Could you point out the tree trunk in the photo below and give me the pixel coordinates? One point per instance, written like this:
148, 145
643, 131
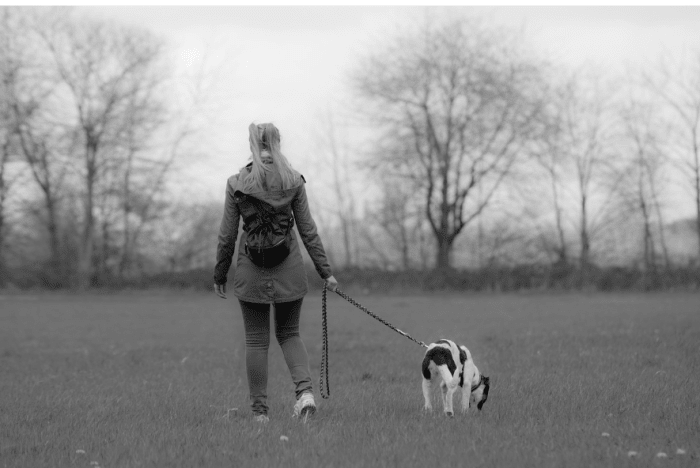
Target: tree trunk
562, 254
125, 261
54, 245
405, 258
345, 226
86, 249
87, 241
443, 260
585, 246
648, 242
660, 222
697, 202
424, 255
3, 188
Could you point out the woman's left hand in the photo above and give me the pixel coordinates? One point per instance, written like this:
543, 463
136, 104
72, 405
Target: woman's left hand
331, 283
220, 290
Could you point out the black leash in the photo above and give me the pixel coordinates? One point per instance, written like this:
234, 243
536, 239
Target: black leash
325, 391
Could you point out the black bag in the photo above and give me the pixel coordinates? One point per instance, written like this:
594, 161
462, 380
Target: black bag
269, 231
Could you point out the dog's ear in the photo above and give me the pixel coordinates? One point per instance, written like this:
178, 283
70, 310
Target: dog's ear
462, 356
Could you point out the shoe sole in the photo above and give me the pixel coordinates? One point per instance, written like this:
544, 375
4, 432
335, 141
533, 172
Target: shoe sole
306, 412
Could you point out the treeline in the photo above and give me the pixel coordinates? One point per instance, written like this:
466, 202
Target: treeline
489, 167
367, 280
490, 158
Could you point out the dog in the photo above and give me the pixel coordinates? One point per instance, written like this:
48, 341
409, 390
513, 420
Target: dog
453, 367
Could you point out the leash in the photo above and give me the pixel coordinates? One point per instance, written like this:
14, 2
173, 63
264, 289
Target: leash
325, 393
325, 390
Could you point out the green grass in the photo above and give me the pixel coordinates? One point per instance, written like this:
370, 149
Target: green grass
152, 380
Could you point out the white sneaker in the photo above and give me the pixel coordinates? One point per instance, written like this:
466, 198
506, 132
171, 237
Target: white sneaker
305, 406
262, 418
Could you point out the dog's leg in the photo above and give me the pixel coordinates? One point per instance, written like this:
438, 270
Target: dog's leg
427, 387
466, 396
449, 391
443, 393
449, 397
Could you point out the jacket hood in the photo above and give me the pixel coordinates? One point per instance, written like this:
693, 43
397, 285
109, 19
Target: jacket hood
275, 195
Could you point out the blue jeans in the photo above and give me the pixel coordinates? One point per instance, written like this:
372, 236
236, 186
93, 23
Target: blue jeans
256, 320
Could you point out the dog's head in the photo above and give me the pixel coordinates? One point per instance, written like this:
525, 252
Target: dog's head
481, 392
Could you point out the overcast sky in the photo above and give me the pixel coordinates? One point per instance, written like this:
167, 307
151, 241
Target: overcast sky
286, 64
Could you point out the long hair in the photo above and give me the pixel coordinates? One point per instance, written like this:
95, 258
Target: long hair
266, 137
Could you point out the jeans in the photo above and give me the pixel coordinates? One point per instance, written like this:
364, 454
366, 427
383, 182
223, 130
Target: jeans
256, 320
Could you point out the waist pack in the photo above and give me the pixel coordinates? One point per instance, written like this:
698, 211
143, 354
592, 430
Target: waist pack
269, 231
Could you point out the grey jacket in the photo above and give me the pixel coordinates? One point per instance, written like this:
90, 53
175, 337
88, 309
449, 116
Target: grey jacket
286, 281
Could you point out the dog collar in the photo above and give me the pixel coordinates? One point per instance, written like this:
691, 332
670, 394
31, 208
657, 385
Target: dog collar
481, 380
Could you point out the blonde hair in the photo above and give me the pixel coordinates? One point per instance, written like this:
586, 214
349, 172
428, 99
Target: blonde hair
267, 137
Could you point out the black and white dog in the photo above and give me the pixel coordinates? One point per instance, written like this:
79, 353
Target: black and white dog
453, 366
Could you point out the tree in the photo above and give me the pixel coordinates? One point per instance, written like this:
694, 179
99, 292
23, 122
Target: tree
334, 147
183, 240
586, 142
108, 75
678, 85
399, 215
642, 128
12, 72
6, 72
456, 105
550, 155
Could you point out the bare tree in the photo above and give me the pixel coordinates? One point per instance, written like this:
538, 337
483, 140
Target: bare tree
587, 142
183, 239
334, 146
40, 146
147, 165
7, 73
642, 127
678, 85
5, 155
22, 94
550, 154
399, 214
38, 137
456, 104
4, 189
394, 216
109, 74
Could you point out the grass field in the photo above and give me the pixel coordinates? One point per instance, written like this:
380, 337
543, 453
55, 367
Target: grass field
158, 379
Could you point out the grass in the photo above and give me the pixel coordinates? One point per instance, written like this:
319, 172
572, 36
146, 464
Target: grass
158, 379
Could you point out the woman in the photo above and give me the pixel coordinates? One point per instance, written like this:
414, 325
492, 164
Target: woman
271, 179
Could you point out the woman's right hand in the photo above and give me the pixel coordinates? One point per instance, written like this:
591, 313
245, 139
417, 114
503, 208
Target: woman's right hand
220, 290
331, 283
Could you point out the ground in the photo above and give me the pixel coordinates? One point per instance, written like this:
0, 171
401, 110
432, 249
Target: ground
158, 379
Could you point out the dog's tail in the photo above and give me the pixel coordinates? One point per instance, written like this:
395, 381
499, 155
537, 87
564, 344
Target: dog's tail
426, 368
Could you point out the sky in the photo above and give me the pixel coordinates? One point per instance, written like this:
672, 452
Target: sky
289, 64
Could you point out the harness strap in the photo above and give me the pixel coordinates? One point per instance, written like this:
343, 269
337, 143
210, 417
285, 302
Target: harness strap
478, 384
